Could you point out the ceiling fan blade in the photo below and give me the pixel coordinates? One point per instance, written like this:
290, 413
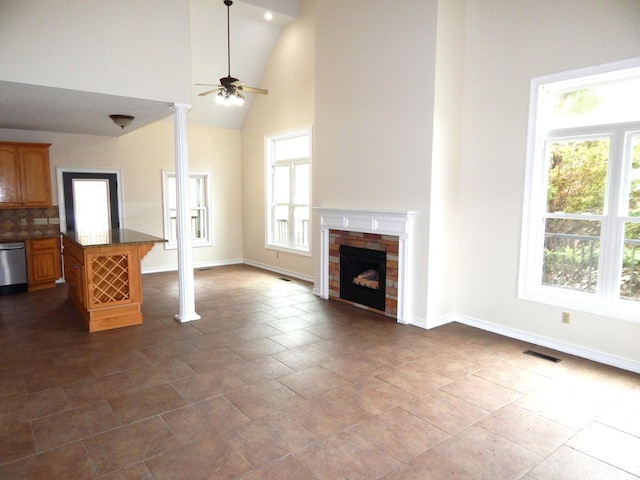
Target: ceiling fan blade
208, 92
207, 84
261, 91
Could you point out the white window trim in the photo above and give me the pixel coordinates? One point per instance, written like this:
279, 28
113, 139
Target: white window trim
268, 191
205, 242
529, 286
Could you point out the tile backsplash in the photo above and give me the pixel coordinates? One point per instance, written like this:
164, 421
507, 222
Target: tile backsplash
30, 221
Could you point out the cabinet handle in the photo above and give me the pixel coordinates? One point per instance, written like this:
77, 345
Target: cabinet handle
76, 266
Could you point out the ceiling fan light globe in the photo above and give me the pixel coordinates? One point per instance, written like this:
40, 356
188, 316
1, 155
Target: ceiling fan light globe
219, 99
228, 100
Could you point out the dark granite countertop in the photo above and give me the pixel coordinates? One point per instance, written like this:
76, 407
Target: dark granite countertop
120, 236
21, 237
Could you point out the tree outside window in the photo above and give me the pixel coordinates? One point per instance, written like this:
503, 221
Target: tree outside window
581, 230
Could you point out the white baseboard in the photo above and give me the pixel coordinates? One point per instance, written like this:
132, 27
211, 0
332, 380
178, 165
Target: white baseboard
281, 271
578, 351
199, 266
196, 266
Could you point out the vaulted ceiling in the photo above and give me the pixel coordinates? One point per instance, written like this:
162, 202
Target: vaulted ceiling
30, 107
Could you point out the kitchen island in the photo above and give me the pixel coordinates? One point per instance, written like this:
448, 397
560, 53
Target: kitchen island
103, 275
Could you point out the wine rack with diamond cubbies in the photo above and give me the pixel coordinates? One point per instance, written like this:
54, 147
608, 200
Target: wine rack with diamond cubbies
104, 282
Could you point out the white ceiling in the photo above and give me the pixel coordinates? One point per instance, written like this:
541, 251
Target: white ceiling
33, 107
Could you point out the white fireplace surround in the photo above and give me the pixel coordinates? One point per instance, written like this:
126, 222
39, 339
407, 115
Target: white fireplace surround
382, 222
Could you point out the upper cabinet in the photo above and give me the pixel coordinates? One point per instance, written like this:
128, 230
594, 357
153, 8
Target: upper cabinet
25, 178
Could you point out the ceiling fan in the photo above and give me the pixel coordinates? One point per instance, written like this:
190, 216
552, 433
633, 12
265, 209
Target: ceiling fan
230, 89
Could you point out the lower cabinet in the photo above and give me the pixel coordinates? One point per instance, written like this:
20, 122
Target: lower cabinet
43, 263
74, 275
104, 283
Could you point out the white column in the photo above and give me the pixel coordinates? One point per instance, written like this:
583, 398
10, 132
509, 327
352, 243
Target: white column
186, 284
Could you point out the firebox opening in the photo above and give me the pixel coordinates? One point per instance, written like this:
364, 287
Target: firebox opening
362, 276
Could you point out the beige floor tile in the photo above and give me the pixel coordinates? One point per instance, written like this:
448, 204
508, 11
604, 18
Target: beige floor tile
313, 381
446, 411
483, 393
416, 377
400, 434
202, 460
125, 446
261, 399
346, 455
487, 455
258, 370
619, 449
287, 468
275, 383
207, 385
375, 395
527, 429
146, 403
203, 419
256, 440
300, 358
355, 368
56, 430
327, 415
569, 464
513, 378
69, 462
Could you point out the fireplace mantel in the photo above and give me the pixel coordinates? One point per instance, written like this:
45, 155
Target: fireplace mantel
384, 222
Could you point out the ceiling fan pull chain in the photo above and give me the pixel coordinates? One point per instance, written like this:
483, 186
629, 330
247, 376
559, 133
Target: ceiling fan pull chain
228, 3
230, 89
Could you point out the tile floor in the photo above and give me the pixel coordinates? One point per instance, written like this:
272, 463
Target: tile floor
274, 383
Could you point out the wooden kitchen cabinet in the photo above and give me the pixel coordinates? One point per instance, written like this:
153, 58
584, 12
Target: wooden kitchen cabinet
74, 273
25, 177
43, 262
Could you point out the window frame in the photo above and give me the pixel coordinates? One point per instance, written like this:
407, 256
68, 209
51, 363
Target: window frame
606, 300
270, 163
205, 240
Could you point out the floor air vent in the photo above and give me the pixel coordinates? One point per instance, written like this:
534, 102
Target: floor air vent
541, 355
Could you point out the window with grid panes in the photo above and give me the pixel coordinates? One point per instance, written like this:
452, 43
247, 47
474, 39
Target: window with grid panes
288, 189
199, 200
581, 230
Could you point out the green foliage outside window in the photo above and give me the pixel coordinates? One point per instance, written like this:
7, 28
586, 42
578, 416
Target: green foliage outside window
577, 176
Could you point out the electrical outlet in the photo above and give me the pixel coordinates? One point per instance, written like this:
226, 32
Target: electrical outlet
566, 317
23, 221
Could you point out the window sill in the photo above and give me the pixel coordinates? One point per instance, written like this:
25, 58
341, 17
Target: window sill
194, 244
291, 250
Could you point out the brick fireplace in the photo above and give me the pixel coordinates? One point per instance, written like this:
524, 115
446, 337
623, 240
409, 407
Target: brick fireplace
388, 231
369, 241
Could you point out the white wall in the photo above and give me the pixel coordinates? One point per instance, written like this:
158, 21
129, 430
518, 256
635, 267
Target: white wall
447, 119
375, 81
141, 156
290, 79
101, 41
507, 44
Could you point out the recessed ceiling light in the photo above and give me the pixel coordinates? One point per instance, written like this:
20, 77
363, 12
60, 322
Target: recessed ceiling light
268, 16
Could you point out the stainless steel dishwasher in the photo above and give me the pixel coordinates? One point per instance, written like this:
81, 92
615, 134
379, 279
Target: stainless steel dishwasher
13, 268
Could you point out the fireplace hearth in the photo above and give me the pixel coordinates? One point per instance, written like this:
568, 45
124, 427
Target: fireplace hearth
363, 276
